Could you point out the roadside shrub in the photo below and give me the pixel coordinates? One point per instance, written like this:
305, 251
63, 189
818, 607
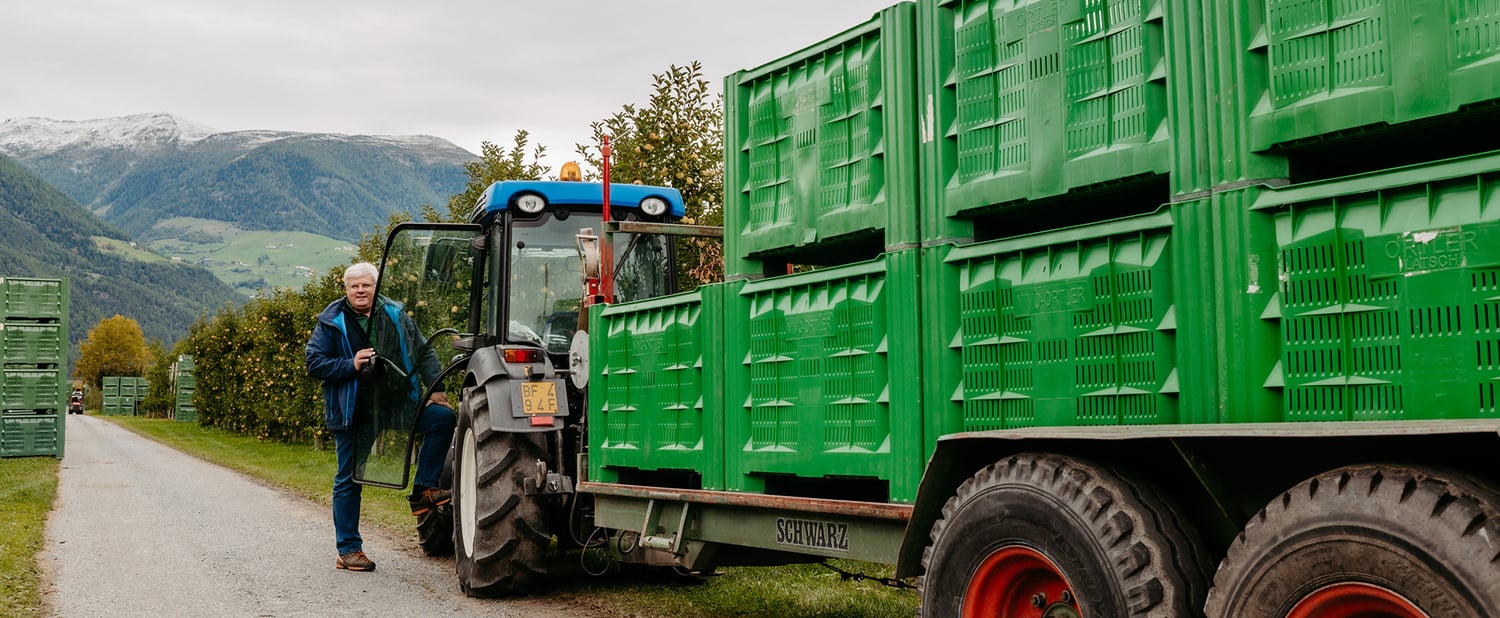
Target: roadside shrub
250, 372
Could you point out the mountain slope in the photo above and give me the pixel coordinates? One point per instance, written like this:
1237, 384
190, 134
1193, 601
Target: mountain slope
45, 234
136, 171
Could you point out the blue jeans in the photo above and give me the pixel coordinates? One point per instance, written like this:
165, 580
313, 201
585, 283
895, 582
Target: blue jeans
435, 424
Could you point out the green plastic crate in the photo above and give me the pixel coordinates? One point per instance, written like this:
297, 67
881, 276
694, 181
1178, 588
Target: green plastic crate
1036, 99
1389, 301
30, 389
659, 370
1318, 68
823, 372
33, 299
185, 413
29, 343
31, 436
1067, 328
820, 145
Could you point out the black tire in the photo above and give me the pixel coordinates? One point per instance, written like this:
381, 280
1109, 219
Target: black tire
1112, 543
500, 535
1429, 537
435, 531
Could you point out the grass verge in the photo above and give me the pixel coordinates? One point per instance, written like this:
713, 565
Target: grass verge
28, 486
795, 591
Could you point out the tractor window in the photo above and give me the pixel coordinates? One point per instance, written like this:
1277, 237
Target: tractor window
546, 286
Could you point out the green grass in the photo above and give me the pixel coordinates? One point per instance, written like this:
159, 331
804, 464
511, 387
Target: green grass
125, 249
796, 591
249, 260
27, 487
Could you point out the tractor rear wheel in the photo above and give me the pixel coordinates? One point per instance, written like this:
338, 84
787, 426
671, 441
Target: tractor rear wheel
500, 534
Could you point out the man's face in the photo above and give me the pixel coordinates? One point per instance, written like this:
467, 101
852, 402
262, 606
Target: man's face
361, 293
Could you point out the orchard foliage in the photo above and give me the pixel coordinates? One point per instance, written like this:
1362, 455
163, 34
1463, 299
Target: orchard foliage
160, 395
677, 140
495, 164
250, 370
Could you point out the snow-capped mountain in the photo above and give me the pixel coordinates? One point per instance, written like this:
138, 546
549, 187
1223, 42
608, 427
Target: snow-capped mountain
137, 170
21, 137
33, 137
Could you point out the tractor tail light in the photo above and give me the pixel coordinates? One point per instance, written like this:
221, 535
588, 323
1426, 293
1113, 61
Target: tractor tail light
522, 355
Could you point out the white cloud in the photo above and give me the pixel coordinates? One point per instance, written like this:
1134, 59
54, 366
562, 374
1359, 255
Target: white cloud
465, 70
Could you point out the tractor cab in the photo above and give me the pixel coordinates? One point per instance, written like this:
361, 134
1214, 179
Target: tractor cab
501, 302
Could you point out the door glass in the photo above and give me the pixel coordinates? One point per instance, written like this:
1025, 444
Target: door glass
422, 304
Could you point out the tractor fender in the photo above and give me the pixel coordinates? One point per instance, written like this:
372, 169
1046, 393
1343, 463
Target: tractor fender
499, 379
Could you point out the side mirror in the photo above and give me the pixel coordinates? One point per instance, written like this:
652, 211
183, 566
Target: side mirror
588, 252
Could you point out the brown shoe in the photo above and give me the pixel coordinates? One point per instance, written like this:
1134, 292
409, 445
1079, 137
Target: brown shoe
355, 561
429, 499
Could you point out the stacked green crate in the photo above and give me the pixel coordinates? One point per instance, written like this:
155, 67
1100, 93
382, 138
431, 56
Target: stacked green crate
1031, 100
33, 354
122, 394
1060, 329
25, 390
183, 384
658, 368
36, 300
821, 149
1384, 80
1388, 303
32, 344
1322, 68
823, 390
111, 400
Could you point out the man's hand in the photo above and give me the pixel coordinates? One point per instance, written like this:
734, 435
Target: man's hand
439, 398
363, 357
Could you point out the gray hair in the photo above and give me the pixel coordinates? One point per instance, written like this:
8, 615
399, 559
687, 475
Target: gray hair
360, 270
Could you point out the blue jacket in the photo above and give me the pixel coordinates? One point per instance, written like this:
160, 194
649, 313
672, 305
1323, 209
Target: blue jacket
331, 361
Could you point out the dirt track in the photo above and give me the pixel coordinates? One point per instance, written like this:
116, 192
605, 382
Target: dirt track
142, 530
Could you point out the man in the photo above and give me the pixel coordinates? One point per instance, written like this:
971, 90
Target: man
342, 354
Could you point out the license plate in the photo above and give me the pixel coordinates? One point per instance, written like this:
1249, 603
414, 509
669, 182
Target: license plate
538, 398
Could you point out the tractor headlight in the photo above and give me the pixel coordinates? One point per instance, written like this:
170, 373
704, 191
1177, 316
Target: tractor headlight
531, 203
654, 206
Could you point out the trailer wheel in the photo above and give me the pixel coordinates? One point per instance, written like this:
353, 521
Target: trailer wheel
1392, 541
500, 535
1058, 537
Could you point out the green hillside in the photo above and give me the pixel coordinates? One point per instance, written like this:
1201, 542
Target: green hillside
249, 260
45, 234
317, 183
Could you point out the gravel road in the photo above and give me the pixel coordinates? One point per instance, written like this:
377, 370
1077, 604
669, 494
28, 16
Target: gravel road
140, 529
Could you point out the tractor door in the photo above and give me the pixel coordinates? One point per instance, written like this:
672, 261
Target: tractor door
431, 284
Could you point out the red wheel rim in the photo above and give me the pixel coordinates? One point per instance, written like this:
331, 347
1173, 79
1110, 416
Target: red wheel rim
1018, 581
1355, 600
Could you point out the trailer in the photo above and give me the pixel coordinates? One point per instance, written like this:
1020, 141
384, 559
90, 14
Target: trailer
1136, 308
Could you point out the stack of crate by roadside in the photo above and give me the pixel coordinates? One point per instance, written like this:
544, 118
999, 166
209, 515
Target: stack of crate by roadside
182, 385
123, 395
1075, 213
33, 346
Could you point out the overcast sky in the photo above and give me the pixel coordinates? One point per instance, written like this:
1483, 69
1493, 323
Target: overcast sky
464, 70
